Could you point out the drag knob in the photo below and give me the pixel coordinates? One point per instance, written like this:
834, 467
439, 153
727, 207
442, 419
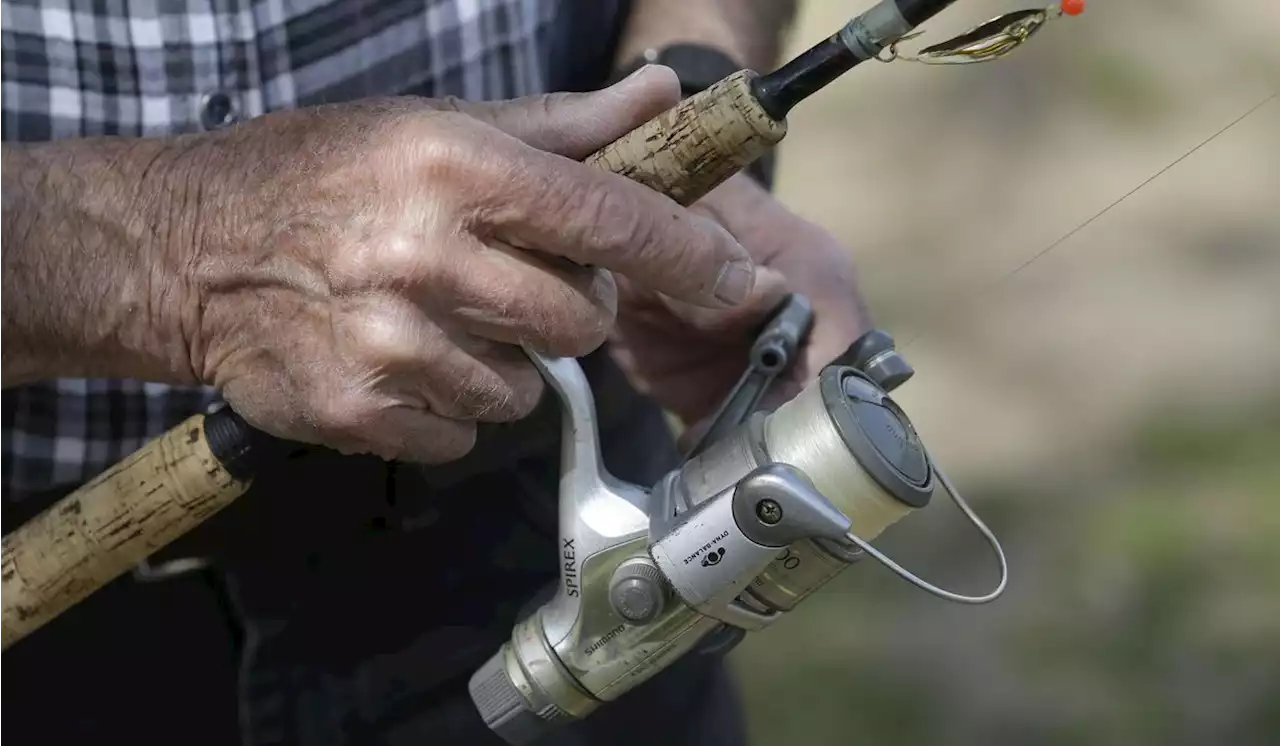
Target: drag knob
638, 592
875, 355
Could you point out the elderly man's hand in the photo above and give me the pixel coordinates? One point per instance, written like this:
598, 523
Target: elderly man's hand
355, 275
687, 357
385, 263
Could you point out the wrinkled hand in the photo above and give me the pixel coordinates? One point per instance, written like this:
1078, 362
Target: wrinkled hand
688, 358
364, 272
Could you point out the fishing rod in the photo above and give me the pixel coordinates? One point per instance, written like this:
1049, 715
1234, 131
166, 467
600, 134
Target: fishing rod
185, 476
690, 149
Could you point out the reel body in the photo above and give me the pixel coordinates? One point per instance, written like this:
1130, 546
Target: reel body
725, 544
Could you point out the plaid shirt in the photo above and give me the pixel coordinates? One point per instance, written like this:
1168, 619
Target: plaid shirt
164, 67
430, 577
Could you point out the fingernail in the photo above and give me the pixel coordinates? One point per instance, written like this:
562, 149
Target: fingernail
635, 74
735, 281
638, 72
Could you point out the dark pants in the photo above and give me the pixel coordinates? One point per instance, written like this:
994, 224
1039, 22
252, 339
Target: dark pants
349, 604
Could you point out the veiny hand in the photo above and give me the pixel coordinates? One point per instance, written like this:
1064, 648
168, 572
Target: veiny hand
688, 357
362, 273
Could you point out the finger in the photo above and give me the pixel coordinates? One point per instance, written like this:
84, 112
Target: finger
525, 385
414, 360
346, 414
732, 324
406, 433
594, 217
839, 319
711, 340
520, 297
576, 125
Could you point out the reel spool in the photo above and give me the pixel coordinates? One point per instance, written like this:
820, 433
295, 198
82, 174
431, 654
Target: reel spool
860, 451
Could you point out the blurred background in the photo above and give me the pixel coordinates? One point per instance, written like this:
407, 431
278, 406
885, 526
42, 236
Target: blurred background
1111, 409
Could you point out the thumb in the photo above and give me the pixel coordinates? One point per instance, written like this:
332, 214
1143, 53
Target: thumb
576, 125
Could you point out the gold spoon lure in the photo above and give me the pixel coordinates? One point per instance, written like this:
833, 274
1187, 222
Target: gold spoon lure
989, 41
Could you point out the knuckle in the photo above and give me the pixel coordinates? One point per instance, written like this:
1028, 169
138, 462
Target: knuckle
588, 333
439, 147
613, 223
697, 256
702, 251
504, 386
394, 257
554, 103
450, 103
463, 152
487, 396
390, 335
567, 324
450, 160
382, 340
521, 392
398, 258
341, 417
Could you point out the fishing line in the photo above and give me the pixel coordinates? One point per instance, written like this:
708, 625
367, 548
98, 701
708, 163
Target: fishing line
1055, 244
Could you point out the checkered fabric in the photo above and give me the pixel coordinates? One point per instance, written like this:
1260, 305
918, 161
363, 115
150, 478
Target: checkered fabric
162, 67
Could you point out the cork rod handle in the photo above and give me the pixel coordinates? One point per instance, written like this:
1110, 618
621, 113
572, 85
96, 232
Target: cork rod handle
113, 522
693, 147
175, 482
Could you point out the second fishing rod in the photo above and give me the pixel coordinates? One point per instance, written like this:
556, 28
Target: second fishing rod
695, 146
189, 474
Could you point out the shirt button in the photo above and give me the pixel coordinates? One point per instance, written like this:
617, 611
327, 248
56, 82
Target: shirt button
218, 110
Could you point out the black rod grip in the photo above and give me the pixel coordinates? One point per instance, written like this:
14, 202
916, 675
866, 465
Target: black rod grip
241, 448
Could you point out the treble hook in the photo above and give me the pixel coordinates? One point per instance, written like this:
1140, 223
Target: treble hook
989, 41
